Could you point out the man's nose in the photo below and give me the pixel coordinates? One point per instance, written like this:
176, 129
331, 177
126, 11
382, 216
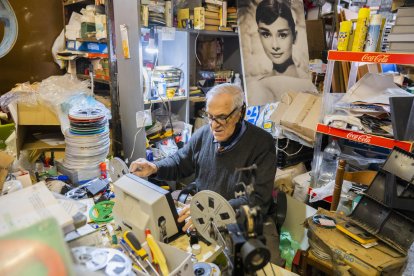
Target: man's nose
214, 124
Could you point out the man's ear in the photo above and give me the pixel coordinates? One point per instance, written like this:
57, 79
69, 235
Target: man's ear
243, 112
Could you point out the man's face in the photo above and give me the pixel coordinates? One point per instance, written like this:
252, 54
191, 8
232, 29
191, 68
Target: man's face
220, 106
277, 40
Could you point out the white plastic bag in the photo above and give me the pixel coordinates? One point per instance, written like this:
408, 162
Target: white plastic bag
327, 190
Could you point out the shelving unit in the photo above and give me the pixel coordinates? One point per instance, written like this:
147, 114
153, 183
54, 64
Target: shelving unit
107, 82
178, 53
359, 137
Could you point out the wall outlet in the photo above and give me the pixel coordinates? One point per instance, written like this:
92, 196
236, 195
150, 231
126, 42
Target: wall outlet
144, 118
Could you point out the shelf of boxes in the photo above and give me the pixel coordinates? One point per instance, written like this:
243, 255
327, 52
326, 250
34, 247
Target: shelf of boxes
360, 137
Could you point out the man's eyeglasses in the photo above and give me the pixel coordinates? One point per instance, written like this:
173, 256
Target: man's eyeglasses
221, 119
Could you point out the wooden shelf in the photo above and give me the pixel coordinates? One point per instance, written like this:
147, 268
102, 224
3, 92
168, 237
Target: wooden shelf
200, 32
165, 99
372, 57
364, 138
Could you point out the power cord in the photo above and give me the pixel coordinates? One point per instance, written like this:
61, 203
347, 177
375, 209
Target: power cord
136, 134
288, 154
195, 48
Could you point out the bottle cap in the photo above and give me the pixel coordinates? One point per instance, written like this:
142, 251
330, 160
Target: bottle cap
196, 249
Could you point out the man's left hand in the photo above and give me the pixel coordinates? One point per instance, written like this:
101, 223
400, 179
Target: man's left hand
184, 215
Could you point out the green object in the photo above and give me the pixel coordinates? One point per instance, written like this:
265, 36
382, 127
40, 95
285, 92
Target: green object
287, 247
39, 249
5, 131
103, 210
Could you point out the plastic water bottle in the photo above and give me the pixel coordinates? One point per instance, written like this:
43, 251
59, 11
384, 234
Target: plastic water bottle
237, 80
329, 165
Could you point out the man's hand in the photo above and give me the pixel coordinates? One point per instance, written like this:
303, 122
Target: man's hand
184, 215
142, 168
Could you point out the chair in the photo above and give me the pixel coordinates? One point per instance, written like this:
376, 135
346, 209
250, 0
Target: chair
362, 177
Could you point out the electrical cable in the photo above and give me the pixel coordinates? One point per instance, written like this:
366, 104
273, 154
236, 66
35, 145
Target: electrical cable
288, 154
135, 137
195, 48
292, 154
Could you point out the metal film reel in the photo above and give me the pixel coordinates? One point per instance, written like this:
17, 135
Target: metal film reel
117, 168
209, 207
88, 113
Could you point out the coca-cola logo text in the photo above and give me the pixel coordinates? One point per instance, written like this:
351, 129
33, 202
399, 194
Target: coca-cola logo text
362, 138
381, 58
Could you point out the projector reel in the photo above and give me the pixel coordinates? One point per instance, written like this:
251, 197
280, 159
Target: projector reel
208, 208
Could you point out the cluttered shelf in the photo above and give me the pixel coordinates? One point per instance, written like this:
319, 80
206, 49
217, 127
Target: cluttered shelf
364, 138
374, 57
198, 32
165, 99
96, 79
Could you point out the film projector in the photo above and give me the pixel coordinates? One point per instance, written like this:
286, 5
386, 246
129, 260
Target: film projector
239, 233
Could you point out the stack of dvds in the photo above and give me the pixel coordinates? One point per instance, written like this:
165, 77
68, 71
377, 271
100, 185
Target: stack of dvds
87, 139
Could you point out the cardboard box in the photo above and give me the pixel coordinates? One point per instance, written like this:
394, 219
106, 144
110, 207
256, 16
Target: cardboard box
36, 115
302, 116
178, 261
361, 261
285, 102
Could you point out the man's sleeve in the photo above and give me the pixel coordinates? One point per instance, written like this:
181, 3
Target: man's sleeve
265, 176
180, 164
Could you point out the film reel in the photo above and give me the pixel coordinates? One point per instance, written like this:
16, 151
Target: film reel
209, 207
86, 113
117, 168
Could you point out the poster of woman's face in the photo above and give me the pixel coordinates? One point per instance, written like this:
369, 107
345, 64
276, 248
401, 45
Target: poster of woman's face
274, 49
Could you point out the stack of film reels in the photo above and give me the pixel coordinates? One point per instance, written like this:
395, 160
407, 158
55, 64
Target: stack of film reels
87, 139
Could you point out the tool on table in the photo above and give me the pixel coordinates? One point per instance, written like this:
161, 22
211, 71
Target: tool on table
159, 257
132, 256
135, 245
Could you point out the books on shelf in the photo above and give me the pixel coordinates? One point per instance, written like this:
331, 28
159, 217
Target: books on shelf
211, 14
225, 29
214, 22
199, 18
402, 29
223, 14
402, 46
404, 21
401, 37
182, 16
211, 27
405, 11
214, 2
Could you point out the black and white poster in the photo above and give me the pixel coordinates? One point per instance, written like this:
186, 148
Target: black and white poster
274, 49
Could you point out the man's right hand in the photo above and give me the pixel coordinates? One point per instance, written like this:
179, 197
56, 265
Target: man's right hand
142, 168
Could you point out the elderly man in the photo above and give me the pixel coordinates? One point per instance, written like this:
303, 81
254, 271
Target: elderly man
216, 150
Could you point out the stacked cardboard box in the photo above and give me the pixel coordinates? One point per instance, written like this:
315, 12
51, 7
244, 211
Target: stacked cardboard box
401, 38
